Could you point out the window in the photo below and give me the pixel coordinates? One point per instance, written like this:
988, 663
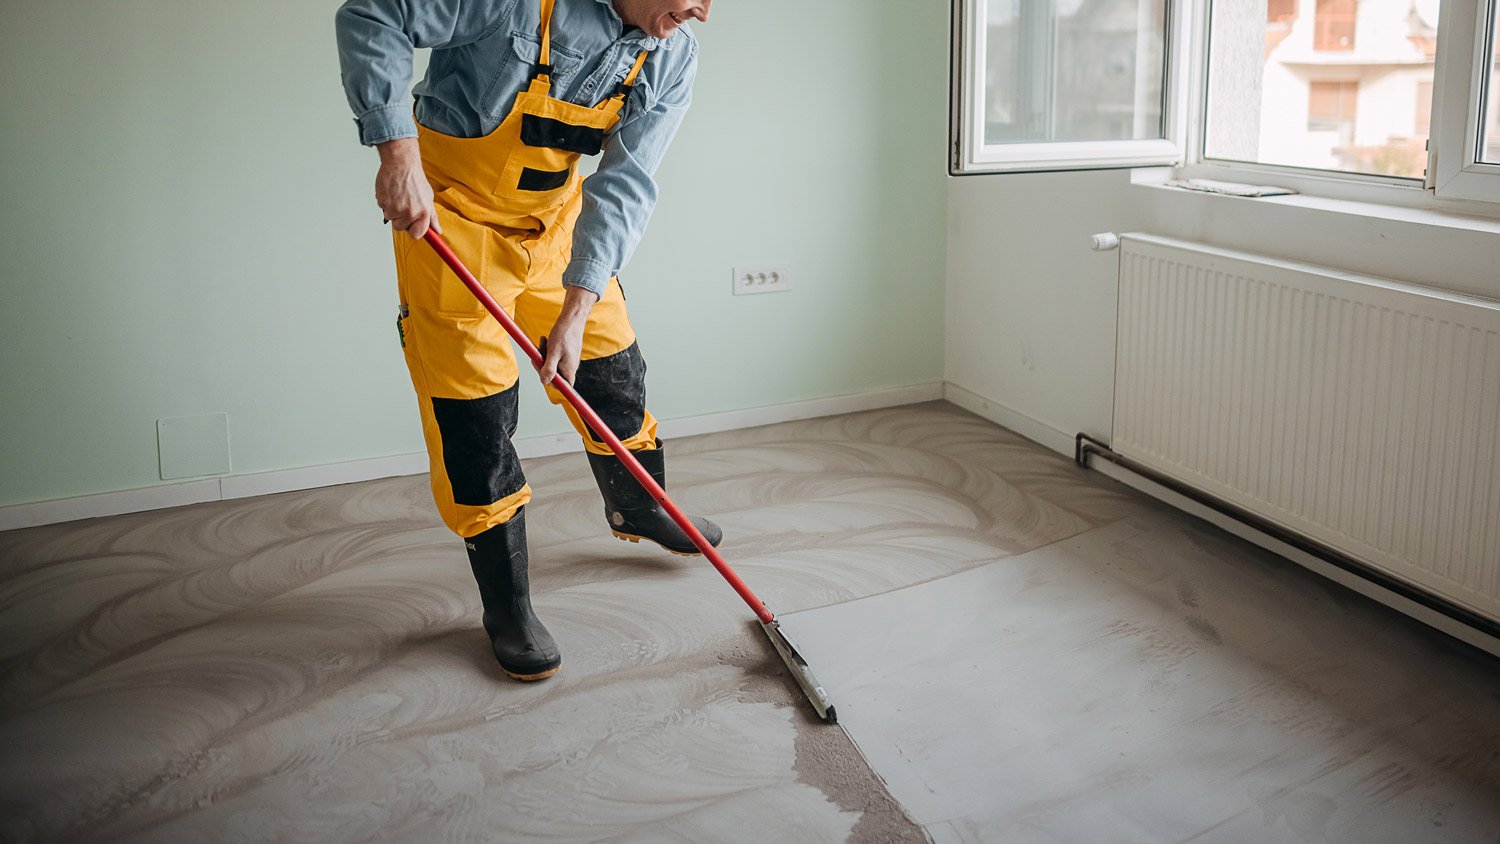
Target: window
1330, 108
1280, 15
1384, 92
1337, 90
1466, 143
1333, 26
1053, 84
1280, 11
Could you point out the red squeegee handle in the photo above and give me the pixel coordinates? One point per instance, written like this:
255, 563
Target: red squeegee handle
597, 425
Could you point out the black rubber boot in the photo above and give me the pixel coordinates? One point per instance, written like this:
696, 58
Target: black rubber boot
522, 646
634, 515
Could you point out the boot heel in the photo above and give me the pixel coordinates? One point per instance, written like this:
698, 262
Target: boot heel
531, 678
628, 538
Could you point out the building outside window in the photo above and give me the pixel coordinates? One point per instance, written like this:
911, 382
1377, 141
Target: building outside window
1339, 85
1334, 25
1331, 107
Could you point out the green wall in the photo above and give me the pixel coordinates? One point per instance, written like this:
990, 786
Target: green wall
189, 228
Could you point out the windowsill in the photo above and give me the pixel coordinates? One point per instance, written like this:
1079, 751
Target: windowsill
1384, 202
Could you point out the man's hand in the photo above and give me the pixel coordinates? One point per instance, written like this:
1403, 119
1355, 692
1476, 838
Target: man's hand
401, 188
564, 344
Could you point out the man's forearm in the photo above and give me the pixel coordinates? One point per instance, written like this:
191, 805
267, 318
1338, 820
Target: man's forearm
577, 302
398, 152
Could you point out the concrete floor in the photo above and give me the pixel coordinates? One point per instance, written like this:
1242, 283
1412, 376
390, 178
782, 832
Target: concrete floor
1157, 680
308, 666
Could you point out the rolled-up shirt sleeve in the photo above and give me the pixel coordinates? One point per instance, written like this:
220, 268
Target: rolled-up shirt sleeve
375, 41
619, 197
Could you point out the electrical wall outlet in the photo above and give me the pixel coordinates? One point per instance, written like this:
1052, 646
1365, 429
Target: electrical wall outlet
762, 278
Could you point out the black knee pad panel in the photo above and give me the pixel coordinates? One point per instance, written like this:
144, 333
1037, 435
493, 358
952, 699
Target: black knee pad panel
615, 387
481, 463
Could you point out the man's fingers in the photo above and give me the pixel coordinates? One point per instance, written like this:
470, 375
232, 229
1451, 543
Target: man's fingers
564, 367
400, 222
421, 222
412, 219
549, 363
556, 362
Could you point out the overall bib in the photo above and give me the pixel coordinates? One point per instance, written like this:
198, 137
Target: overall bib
507, 203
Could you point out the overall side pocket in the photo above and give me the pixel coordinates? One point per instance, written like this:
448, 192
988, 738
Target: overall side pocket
439, 289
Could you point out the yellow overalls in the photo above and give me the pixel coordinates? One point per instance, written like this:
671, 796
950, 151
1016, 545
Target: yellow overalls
507, 203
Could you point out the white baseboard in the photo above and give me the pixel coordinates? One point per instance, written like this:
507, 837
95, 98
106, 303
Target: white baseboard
1032, 429
708, 423
158, 497
353, 471
328, 474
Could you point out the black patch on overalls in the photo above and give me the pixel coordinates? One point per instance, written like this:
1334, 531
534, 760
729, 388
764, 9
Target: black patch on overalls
539, 131
615, 387
481, 463
543, 179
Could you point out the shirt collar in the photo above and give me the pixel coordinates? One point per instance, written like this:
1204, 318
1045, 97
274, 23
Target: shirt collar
647, 42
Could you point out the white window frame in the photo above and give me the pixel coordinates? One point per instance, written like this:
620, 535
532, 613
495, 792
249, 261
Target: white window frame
1455, 78
970, 154
1463, 59
1455, 180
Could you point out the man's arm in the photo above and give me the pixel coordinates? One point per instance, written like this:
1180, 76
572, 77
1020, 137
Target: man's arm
375, 42
619, 197
617, 203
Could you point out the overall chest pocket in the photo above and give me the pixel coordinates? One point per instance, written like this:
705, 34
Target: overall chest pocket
565, 65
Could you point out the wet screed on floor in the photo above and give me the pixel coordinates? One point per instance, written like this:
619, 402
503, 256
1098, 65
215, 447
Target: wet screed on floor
1020, 647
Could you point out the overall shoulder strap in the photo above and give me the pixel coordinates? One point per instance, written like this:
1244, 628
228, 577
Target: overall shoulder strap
640, 62
628, 82
544, 58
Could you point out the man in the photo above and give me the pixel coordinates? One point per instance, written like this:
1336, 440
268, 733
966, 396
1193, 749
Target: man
515, 92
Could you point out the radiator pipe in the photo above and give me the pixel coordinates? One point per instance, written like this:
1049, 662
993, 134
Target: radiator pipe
1085, 445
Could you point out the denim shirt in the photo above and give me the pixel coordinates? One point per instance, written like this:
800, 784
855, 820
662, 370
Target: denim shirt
483, 52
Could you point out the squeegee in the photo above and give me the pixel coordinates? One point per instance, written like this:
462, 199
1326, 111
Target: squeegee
768, 622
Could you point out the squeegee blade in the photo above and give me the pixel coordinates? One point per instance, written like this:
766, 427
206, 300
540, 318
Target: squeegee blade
809, 684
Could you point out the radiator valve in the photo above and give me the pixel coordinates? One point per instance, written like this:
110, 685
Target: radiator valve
1105, 241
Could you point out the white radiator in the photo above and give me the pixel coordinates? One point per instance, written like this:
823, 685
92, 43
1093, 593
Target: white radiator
1361, 412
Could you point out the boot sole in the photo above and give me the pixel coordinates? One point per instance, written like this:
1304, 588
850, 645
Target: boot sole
633, 538
531, 678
